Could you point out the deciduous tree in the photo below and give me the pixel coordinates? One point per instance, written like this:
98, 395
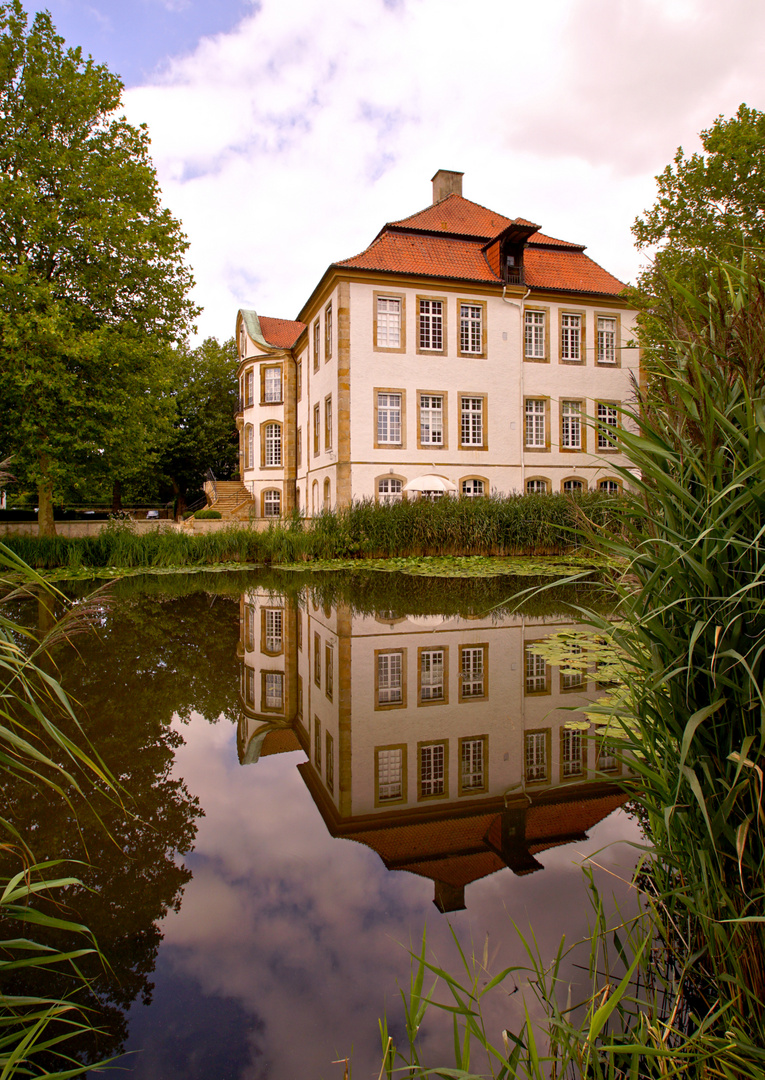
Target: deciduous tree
93, 283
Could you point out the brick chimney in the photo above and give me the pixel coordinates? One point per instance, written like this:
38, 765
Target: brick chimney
446, 183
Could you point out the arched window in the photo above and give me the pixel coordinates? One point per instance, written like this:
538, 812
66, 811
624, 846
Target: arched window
249, 447
574, 486
609, 486
272, 445
272, 503
315, 497
473, 488
297, 497
327, 494
537, 485
390, 489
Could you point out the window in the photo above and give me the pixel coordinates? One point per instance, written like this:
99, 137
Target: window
572, 678
299, 379
473, 489
389, 427
316, 339
272, 445
607, 759
536, 486
535, 754
432, 769
571, 338
609, 487
250, 689
534, 335
299, 447
606, 340
300, 696
432, 675
317, 660
317, 743
390, 679
315, 497
272, 503
573, 486
431, 336
316, 429
431, 420
607, 414
249, 447
390, 774
473, 672
330, 766
327, 332
390, 490
329, 671
249, 388
472, 765
471, 425
572, 747
388, 335
536, 423
537, 673
273, 625
328, 423
273, 690
299, 630
272, 385
571, 425
249, 628
471, 329
327, 494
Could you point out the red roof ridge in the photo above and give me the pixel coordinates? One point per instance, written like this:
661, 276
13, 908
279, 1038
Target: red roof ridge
552, 241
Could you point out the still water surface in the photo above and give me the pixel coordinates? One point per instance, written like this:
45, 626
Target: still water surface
322, 766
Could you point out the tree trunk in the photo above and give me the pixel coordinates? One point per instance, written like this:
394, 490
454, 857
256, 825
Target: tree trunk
117, 497
46, 526
179, 501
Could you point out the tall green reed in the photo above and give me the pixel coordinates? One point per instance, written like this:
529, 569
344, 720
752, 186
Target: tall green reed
34, 711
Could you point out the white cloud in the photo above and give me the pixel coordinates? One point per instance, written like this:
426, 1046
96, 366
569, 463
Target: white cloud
285, 144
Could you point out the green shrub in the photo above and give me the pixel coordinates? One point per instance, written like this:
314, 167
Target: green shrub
208, 515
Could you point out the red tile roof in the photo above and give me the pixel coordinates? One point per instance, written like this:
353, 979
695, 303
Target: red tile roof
280, 741
456, 215
281, 333
569, 271
433, 256
445, 241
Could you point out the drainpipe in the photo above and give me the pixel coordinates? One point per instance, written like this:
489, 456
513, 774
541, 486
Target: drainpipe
520, 304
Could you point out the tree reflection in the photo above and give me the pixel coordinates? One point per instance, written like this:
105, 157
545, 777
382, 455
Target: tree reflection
152, 659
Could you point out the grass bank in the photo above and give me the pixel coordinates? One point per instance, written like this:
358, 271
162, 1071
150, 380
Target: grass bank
496, 526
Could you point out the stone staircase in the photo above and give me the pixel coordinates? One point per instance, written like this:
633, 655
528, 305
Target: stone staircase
233, 500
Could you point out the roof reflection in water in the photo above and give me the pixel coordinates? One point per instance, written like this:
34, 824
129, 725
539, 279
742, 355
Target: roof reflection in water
439, 742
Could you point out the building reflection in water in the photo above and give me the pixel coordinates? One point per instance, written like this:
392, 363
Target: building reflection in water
439, 742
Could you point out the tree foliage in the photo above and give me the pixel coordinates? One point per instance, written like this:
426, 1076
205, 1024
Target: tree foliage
710, 206
93, 284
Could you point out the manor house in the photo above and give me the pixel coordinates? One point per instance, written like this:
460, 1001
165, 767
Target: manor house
462, 352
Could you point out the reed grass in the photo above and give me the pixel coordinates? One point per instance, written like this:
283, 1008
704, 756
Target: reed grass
34, 1030
494, 525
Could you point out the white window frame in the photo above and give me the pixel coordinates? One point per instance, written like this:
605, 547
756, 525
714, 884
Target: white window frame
431, 325
471, 420
432, 769
471, 328
535, 757
571, 425
390, 489
607, 339
535, 424
535, 338
272, 503
390, 774
432, 674
390, 678
472, 671
389, 417
388, 322
472, 765
469, 486
272, 452
571, 337
607, 414
431, 419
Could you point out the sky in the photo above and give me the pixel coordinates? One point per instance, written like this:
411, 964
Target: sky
285, 133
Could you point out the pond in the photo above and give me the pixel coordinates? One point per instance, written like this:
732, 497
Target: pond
321, 766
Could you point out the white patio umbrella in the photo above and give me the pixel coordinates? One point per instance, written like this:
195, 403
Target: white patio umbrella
430, 482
